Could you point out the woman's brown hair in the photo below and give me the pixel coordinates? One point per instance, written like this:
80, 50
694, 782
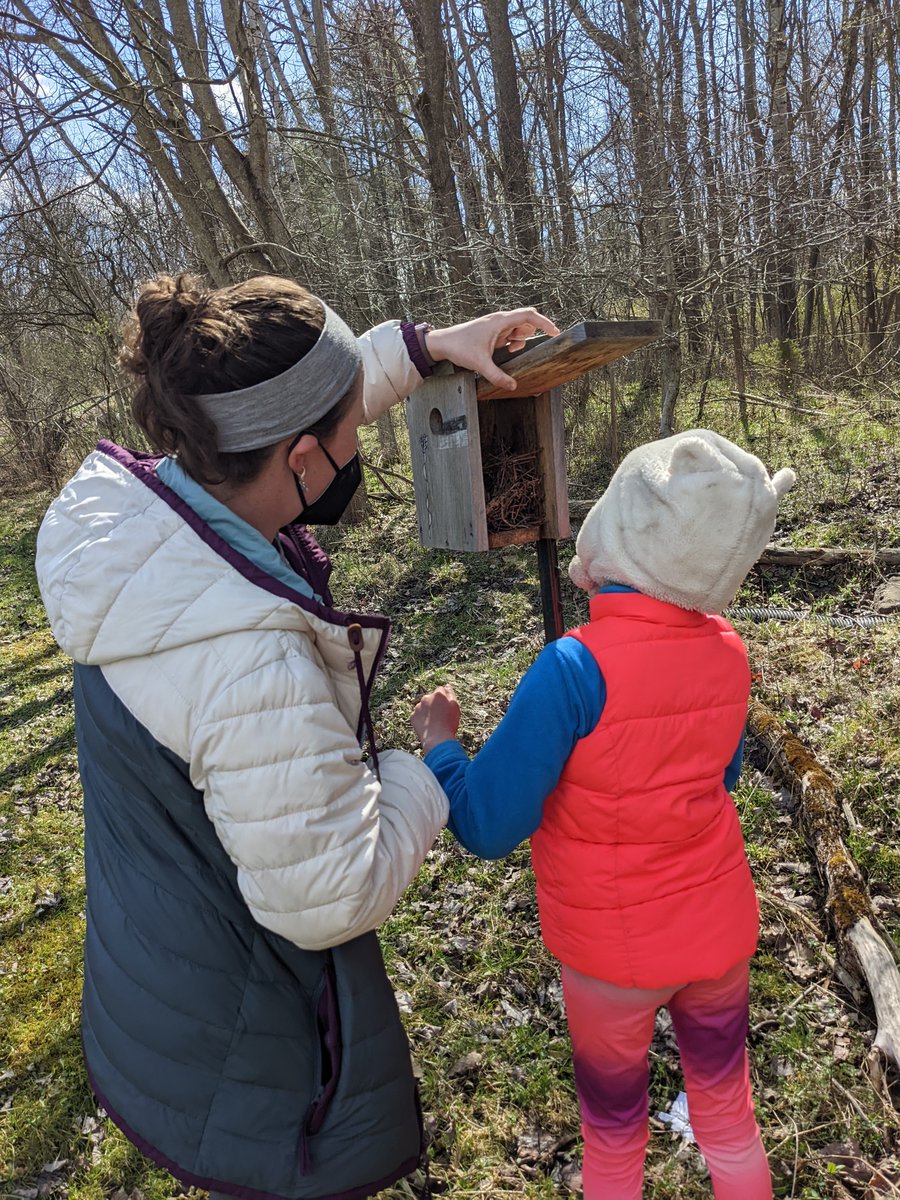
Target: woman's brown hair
184, 339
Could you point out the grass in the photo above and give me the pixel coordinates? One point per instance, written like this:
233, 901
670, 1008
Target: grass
480, 995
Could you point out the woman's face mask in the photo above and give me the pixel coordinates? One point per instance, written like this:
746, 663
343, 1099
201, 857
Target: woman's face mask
328, 508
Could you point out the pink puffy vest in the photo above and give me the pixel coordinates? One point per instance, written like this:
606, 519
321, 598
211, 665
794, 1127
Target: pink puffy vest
642, 878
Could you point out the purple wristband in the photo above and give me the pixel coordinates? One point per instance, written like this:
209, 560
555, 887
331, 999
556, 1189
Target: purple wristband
419, 359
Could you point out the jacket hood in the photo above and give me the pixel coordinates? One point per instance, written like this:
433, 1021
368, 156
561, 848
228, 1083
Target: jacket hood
127, 569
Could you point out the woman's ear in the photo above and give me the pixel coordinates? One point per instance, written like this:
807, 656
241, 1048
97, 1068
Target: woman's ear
304, 445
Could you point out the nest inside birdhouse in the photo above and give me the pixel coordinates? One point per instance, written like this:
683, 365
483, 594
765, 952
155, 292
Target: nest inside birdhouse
513, 493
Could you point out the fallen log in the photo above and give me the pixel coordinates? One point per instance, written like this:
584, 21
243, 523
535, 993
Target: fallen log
847, 903
825, 556
749, 398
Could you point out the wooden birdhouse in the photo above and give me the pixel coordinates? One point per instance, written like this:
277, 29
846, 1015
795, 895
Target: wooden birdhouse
489, 465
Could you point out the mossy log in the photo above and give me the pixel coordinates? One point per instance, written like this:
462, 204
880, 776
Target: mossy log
847, 901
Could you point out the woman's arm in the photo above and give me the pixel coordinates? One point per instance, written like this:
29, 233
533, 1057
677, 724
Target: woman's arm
323, 850
390, 373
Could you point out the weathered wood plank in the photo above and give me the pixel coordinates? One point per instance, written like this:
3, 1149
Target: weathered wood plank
551, 439
442, 419
547, 363
514, 537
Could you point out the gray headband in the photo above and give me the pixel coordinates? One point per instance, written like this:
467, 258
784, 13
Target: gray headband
269, 411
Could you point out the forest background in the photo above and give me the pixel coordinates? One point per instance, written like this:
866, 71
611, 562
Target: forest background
728, 167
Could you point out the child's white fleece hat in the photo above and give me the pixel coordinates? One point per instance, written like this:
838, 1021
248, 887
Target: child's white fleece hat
683, 520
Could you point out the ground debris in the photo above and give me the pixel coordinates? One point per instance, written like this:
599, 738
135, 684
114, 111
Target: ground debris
536, 1148
470, 1064
861, 1177
887, 596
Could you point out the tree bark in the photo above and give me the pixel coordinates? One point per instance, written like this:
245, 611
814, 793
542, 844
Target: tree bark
653, 196
784, 187
424, 18
516, 176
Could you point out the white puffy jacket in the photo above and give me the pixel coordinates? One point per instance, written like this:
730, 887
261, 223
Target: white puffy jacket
258, 694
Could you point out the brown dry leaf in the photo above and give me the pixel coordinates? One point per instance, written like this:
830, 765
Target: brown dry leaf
803, 963
846, 1156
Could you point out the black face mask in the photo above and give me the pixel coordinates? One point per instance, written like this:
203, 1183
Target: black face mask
332, 504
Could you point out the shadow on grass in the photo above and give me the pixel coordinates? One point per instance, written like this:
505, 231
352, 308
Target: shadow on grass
34, 708
23, 666
38, 758
434, 619
39, 918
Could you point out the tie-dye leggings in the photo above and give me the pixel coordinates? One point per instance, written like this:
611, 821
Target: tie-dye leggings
611, 1028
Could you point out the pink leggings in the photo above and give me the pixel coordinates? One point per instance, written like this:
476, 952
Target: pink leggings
611, 1028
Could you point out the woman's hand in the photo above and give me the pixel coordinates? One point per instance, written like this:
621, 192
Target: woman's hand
436, 718
472, 344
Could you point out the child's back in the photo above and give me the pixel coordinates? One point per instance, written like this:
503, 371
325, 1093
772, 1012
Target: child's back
641, 873
616, 756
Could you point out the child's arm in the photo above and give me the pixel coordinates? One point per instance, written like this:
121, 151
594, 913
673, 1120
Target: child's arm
733, 770
497, 798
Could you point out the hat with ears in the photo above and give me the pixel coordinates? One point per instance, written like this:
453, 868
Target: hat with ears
683, 520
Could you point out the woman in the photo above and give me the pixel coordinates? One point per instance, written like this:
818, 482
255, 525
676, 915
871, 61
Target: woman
240, 850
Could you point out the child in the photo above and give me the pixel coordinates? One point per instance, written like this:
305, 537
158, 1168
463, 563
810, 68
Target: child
616, 756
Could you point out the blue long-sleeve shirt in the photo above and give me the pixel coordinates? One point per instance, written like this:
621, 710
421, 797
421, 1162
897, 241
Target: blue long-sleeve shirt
497, 798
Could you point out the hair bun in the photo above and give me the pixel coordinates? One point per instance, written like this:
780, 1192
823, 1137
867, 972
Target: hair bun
164, 308
167, 303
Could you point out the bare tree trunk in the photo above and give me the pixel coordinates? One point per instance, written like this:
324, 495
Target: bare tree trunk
657, 225
547, 88
424, 17
312, 46
653, 196
688, 247
479, 189
868, 154
757, 184
784, 184
516, 180
850, 38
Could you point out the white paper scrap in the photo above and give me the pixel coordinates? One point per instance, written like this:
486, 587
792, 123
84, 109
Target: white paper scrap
678, 1118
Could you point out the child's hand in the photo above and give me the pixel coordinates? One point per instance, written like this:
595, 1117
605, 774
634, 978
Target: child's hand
436, 718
